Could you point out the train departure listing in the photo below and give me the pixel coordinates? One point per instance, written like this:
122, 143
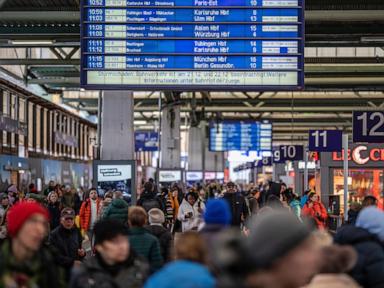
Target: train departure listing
192, 44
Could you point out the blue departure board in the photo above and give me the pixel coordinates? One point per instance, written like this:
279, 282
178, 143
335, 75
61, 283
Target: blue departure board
192, 44
240, 136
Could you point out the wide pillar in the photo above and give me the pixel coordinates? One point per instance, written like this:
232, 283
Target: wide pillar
195, 153
117, 127
170, 151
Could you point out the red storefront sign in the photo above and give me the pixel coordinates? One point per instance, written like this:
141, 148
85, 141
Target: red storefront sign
361, 155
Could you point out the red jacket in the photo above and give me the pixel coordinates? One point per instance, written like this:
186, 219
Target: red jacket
317, 212
85, 213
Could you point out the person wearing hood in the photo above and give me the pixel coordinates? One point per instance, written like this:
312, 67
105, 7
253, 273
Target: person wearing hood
190, 212
189, 270
148, 199
118, 209
367, 237
156, 227
115, 264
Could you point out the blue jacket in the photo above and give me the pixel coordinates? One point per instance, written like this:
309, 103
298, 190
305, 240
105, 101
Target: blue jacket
303, 200
182, 274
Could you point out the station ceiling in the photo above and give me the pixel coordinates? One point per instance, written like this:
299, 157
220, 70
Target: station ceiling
344, 66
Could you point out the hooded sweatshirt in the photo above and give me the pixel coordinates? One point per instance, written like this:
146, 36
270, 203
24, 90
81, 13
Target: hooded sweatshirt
372, 220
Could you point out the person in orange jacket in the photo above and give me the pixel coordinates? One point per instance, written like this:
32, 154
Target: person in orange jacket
315, 209
89, 213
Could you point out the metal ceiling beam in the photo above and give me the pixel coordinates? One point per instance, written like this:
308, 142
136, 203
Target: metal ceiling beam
39, 62
40, 16
242, 109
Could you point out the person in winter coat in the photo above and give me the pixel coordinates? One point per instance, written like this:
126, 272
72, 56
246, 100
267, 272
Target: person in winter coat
143, 242
189, 270
336, 261
237, 203
149, 199
190, 212
156, 228
315, 209
4, 207
90, 213
118, 209
54, 209
172, 207
66, 241
24, 260
115, 264
293, 202
68, 199
367, 237
108, 197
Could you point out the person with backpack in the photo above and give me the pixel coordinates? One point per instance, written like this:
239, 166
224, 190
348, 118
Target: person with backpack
148, 199
237, 203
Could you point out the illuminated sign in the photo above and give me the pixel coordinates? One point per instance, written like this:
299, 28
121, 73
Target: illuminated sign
361, 155
192, 44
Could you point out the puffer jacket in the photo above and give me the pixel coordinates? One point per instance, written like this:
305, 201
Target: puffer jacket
85, 213
118, 210
317, 212
369, 269
193, 222
96, 274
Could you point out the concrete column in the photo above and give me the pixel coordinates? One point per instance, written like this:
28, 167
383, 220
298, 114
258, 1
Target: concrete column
170, 138
195, 157
117, 131
278, 170
214, 161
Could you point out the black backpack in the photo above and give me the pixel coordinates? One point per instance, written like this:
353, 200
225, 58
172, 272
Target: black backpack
149, 204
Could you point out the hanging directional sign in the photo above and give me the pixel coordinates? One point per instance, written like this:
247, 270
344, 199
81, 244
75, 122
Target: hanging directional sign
266, 161
368, 126
192, 44
288, 153
325, 140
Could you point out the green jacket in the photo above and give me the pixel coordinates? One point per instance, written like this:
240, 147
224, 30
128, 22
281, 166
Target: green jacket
147, 246
118, 210
40, 271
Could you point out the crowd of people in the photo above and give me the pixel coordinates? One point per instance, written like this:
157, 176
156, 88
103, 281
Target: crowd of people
252, 236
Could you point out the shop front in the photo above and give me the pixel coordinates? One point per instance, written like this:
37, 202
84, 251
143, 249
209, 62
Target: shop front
365, 175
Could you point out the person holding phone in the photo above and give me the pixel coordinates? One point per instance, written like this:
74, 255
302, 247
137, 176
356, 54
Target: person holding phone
190, 212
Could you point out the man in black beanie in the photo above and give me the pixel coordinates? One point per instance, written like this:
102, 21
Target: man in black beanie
115, 265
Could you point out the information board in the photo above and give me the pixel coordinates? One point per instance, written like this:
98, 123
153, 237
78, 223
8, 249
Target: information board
146, 141
240, 136
192, 44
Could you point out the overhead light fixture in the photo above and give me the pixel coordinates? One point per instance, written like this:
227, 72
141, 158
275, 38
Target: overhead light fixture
372, 39
32, 42
139, 122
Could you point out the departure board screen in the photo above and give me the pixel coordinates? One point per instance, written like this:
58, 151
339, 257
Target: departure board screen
192, 44
240, 136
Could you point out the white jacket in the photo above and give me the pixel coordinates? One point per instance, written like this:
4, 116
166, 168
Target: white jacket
193, 222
